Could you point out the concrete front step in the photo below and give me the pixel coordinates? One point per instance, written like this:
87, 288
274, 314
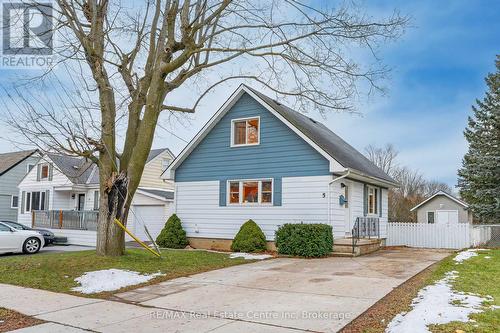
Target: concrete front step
343, 246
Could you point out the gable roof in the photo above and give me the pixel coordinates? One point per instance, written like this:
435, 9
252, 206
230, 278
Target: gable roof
10, 160
77, 169
451, 197
155, 152
342, 156
80, 170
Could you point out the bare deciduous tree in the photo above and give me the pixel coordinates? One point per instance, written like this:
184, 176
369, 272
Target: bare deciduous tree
130, 61
413, 187
384, 158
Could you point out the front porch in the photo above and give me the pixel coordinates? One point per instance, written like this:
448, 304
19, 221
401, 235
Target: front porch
65, 219
364, 239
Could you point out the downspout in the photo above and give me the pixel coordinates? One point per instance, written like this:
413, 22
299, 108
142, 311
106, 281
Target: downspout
329, 194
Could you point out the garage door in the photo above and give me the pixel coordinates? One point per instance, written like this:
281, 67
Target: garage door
152, 216
447, 216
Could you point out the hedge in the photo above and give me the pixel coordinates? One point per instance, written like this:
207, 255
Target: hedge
172, 235
304, 240
250, 238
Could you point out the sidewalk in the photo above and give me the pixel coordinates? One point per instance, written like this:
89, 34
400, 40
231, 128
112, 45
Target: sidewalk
72, 314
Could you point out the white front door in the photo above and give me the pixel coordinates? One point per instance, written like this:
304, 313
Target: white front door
447, 216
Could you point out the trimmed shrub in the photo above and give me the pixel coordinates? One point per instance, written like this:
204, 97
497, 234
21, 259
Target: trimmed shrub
250, 238
172, 235
304, 240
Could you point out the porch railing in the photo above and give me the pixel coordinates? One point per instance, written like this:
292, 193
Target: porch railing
365, 227
65, 219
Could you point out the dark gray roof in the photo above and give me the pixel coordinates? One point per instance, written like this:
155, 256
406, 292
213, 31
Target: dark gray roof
155, 152
81, 171
169, 195
330, 142
10, 160
77, 169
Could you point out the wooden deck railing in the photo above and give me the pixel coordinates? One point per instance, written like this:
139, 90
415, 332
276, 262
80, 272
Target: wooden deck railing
65, 219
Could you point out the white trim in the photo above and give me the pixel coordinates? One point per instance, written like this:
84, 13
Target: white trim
335, 166
440, 193
234, 145
11, 201
427, 216
259, 193
375, 201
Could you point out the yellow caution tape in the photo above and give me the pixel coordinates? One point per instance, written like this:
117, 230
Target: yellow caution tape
136, 239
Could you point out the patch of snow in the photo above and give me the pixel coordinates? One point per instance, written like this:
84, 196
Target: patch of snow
487, 257
434, 305
467, 254
109, 280
249, 256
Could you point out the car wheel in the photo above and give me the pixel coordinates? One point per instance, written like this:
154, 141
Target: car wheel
32, 245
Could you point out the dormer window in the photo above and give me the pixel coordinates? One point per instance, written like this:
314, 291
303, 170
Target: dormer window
44, 171
245, 132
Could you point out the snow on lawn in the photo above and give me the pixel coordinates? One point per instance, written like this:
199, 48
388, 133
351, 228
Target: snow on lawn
436, 304
109, 280
249, 256
467, 254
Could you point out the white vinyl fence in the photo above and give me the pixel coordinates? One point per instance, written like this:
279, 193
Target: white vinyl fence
441, 236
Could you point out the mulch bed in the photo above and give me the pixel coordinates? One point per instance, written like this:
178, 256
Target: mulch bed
377, 317
12, 320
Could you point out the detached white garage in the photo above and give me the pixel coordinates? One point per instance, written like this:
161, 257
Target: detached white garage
443, 208
151, 208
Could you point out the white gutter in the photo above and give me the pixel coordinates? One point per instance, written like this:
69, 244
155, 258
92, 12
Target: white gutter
329, 194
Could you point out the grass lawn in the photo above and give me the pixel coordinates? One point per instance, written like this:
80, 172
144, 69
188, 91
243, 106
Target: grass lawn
477, 275
57, 271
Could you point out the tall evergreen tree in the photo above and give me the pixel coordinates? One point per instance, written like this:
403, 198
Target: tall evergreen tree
479, 177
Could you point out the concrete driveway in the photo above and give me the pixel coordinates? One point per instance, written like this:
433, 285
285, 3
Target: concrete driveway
284, 295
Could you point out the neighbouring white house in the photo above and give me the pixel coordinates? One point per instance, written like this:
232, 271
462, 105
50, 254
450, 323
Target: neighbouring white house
258, 159
443, 208
62, 193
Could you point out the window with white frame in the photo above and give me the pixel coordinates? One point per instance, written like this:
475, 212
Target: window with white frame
34, 201
29, 167
242, 192
372, 198
430, 217
245, 132
44, 171
14, 201
164, 164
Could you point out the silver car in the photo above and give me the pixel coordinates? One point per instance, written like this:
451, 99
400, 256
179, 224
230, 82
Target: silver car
15, 240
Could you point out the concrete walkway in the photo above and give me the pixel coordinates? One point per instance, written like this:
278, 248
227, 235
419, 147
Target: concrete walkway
280, 295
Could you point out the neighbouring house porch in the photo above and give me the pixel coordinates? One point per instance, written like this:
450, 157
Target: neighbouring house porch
65, 219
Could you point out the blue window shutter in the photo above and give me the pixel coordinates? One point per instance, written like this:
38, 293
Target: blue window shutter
365, 199
222, 193
277, 188
380, 202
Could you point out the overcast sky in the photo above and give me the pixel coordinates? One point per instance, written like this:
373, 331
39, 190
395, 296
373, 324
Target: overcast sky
438, 70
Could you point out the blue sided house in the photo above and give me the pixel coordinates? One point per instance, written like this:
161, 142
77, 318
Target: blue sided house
258, 159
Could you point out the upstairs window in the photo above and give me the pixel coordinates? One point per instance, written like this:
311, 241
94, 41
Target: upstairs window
44, 171
164, 164
251, 192
245, 132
